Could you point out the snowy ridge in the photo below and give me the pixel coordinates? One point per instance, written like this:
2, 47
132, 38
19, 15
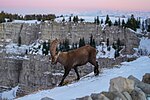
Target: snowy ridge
91, 84
27, 21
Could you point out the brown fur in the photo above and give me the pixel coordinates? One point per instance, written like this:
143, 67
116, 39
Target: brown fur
74, 58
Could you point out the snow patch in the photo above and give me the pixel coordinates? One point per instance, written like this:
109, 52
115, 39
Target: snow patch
10, 95
91, 84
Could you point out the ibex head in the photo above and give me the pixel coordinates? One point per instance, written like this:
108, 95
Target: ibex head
53, 53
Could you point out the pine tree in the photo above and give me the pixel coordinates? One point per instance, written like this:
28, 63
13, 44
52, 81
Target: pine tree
107, 43
148, 29
109, 23
66, 45
107, 19
123, 23
75, 19
81, 19
97, 20
116, 23
118, 43
114, 46
143, 28
132, 23
70, 19
76, 45
19, 41
117, 54
138, 23
73, 46
102, 21
119, 22
63, 20
92, 41
60, 46
94, 20
81, 42
44, 48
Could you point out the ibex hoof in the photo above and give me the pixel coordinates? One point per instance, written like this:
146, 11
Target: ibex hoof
96, 74
77, 79
60, 85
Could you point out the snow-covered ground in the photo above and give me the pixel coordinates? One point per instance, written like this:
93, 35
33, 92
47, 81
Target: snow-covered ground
104, 53
14, 48
91, 84
9, 95
145, 44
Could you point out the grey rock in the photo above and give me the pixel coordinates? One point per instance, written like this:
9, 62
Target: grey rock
143, 86
98, 96
47, 98
121, 84
138, 94
84, 98
127, 95
146, 78
115, 95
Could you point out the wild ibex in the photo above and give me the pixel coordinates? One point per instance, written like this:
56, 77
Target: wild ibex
73, 58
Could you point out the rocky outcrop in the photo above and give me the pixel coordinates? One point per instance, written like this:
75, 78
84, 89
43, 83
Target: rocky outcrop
98, 97
36, 72
122, 89
146, 78
121, 84
72, 31
143, 86
138, 94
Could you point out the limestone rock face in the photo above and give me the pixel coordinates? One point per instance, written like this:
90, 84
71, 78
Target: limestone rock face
121, 84
146, 78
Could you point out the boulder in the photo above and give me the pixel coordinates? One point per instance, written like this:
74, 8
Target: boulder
84, 98
127, 95
121, 84
146, 78
98, 96
47, 98
109, 95
138, 94
115, 95
143, 86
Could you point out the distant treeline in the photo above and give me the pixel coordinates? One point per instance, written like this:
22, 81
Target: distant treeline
10, 17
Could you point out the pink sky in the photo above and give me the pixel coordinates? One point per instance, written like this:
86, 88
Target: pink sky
73, 5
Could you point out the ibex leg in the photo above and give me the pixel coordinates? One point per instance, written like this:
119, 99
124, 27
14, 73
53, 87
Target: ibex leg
64, 76
76, 70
